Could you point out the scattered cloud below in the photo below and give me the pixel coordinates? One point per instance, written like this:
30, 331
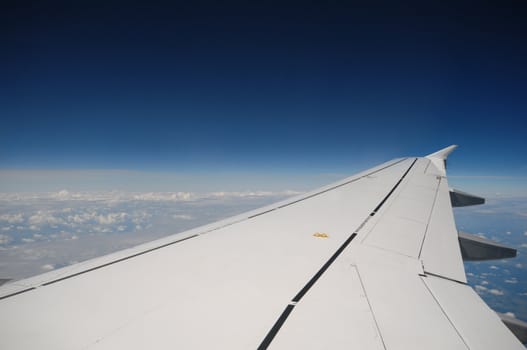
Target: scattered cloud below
47, 267
47, 230
4, 239
182, 217
480, 288
12, 218
496, 292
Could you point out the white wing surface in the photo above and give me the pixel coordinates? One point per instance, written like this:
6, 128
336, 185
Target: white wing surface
371, 262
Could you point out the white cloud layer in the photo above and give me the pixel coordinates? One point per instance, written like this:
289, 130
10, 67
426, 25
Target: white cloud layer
44, 231
496, 292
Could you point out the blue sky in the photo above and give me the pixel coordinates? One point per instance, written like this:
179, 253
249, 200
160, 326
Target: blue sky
291, 90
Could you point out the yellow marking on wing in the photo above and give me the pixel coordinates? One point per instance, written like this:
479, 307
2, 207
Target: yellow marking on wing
321, 235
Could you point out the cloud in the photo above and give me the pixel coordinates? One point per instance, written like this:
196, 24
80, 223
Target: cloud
510, 314
182, 217
4, 239
112, 196
480, 288
496, 292
52, 229
48, 267
43, 217
111, 218
163, 196
64, 194
12, 218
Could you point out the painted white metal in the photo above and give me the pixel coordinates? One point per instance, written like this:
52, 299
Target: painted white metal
441, 254
442, 153
334, 314
38, 280
401, 224
407, 315
480, 327
230, 284
438, 160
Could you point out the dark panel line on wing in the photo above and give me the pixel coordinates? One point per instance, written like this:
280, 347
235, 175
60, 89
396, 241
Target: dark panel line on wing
430, 217
276, 327
444, 312
443, 277
263, 212
371, 309
118, 260
307, 197
337, 186
16, 293
283, 317
323, 269
393, 189
299, 295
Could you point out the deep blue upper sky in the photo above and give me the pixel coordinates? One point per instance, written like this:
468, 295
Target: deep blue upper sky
263, 86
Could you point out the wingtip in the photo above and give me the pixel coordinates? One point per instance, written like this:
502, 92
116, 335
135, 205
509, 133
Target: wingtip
442, 153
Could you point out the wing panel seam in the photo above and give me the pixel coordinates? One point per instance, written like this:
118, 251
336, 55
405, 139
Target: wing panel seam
369, 305
16, 293
285, 314
337, 186
392, 190
118, 260
443, 311
429, 218
289, 308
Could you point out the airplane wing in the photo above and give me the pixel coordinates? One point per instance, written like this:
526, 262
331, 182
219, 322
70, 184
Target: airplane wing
370, 262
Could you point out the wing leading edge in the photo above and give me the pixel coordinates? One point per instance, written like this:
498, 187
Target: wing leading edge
370, 262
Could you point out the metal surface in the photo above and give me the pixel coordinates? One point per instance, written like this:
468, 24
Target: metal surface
350, 265
464, 199
475, 248
517, 327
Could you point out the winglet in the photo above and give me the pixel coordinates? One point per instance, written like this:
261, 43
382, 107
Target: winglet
439, 159
442, 153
